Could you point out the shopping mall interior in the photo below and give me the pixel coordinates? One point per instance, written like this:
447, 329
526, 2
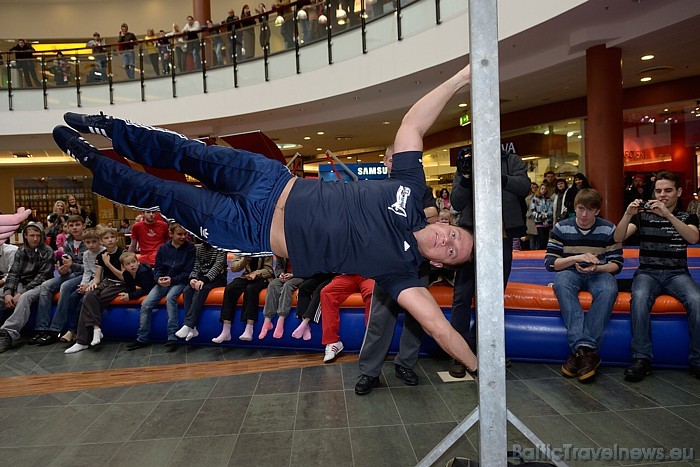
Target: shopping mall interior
608, 88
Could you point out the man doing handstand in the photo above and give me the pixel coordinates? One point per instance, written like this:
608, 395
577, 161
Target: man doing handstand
253, 205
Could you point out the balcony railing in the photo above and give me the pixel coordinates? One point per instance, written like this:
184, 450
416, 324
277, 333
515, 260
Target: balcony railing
280, 43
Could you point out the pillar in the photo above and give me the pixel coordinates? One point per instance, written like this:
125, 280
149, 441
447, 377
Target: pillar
604, 132
201, 10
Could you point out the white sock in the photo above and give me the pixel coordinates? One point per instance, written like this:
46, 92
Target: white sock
225, 335
76, 348
183, 331
192, 334
248, 333
96, 337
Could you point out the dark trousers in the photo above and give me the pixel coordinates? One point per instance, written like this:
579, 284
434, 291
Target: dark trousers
465, 284
93, 305
309, 296
250, 289
194, 300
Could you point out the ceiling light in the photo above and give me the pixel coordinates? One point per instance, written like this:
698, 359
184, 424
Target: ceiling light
387, 122
462, 105
546, 132
359, 160
307, 137
287, 146
349, 157
647, 57
645, 79
320, 133
569, 134
319, 149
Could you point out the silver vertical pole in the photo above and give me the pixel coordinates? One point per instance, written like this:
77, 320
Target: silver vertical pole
488, 228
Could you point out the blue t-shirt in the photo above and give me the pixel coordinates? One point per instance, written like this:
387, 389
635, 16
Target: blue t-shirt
364, 227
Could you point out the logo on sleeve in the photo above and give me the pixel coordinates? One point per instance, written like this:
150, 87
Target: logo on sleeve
406, 246
399, 207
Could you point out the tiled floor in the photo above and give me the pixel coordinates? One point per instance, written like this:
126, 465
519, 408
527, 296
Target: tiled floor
311, 416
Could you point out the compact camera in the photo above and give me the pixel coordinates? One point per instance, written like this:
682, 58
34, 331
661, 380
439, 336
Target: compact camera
646, 206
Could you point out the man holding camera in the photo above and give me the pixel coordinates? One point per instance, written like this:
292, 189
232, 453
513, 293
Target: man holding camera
516, 186
664, 234
585, 255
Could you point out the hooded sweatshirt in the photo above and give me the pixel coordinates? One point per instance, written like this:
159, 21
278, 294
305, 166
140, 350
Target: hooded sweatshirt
31, 266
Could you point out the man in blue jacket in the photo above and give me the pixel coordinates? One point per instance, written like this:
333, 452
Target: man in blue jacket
174, 262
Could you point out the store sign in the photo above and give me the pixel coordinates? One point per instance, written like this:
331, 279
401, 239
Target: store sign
368, 171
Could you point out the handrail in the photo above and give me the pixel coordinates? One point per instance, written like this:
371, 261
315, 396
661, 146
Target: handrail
173, 56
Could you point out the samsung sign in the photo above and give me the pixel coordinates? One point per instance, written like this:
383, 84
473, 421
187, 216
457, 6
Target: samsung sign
369, 171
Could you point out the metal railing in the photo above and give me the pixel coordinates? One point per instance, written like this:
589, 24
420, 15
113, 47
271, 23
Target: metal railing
279, 43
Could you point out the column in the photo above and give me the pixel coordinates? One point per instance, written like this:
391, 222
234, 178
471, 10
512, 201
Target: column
604, 137
201, 10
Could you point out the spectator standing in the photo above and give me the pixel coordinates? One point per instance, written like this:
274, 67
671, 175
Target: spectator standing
191, 29
665, 231
152, 49
233, 43
443, 201
126, 41
585, 256
61, 69
178, 46
558, 208
24, 54
529, 222
550, 180
247, 33
99, 51
580, 182
541, 209
147, 236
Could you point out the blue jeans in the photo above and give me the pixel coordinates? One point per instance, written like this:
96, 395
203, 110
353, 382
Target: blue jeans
243, 187
585, 329
128, 63
649, 284
151, 301
66, 285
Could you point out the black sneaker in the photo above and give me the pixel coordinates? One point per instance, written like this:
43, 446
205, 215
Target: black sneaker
37, 337
98, 124
49, 338
365, 384
407, 375
75, 146
5, 341
640, 369
137, 344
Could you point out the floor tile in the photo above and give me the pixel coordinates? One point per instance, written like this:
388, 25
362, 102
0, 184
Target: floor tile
85, 455
524, 402
14, 402
616, 396
425, 437
393, 381
374, 409
54, 399
431, 367
321, 410
279, 382
527, 370
272, 412
322, 447
382, 445
169, 419
146, 392
321, 378
236, 385
268, 449
100, 396
173, 358
210, 451
660, 391
116, 423
664, 426
351, 374
459, 397
151, 453
421, 404
689, 413
222, 416
558, 432
564, 396
191, 389
239, 353
30, 456
197, 354
608, 429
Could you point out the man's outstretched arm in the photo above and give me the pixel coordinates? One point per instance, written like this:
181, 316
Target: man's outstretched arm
423, 114
420, 303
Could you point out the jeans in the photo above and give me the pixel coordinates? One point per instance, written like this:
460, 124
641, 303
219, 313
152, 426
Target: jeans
128, 63
649, 284
151, 301
14, 324
585, 329
66, 285
194, 300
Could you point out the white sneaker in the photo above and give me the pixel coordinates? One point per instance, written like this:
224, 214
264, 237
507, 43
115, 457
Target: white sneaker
332, 351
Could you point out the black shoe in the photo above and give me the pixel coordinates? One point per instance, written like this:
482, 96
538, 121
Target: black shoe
75, 146
137, 344
365, 384
695, 371
457, 370
6, 341
409, 377
588, 361
570, 367
640, 368
49, 339
171, 346
98, 124
37, 337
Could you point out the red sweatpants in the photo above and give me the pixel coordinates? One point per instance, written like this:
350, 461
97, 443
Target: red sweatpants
334, 294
